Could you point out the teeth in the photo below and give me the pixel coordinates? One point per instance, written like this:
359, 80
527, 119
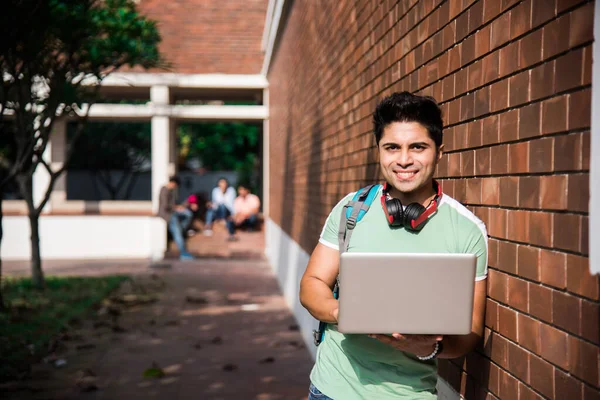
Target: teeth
405, 174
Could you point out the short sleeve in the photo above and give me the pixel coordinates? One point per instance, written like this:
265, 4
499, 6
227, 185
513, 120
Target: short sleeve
477, 244
329, 234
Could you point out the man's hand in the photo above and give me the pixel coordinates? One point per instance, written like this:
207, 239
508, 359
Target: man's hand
179, 208
420, 345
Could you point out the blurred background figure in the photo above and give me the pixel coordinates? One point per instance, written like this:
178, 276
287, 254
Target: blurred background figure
247, 207
178, 217
221, 207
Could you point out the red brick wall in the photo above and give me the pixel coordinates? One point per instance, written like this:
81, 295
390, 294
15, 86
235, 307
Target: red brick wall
210, 36
514, 82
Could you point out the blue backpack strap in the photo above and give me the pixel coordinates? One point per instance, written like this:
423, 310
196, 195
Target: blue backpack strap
352, 213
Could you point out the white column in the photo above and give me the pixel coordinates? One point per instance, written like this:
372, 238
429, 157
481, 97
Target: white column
265, 156
161, 151
173, 148
58, 139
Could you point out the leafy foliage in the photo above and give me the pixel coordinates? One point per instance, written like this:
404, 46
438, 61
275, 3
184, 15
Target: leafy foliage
222, 146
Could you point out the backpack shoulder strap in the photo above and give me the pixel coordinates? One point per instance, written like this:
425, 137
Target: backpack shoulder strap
353, 212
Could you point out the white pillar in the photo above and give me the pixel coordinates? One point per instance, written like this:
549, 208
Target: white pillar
161, 152
173, 148
58, 139
265, 156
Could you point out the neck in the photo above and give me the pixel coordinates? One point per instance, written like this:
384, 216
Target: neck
423, 195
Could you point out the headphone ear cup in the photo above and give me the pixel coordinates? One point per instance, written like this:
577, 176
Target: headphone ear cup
411, 213
394, 209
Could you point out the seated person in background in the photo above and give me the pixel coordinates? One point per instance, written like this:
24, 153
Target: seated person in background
246, 207
176, 216
221, 207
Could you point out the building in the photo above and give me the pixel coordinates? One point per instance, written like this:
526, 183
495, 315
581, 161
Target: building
514, 79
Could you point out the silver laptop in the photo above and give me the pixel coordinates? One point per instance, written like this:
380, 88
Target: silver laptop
406, 293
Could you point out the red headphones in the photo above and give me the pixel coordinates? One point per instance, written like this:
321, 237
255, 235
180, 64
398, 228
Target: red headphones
412, 217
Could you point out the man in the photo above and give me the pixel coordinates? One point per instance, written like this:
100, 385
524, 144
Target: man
221, 207
408, 133
176, 216
247, 206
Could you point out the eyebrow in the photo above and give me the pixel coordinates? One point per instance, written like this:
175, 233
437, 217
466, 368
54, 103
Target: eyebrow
423, 144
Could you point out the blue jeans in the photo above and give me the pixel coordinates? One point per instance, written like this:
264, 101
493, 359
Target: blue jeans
220, 212
179, 220
250, 222
315, 394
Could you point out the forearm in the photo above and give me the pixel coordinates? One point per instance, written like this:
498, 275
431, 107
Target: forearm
318, 299
458, 345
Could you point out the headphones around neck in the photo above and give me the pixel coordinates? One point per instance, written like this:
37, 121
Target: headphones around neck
414, 216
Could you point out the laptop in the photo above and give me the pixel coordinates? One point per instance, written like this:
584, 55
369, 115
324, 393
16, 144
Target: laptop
406, 293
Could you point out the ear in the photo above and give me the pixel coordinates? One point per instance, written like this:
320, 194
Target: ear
440, 152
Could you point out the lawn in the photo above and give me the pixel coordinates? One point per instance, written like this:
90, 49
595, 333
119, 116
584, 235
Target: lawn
35, 317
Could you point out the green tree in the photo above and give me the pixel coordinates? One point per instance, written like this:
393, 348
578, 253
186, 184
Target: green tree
223, 146
49, 53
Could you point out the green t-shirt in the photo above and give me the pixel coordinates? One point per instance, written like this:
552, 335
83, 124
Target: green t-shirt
351, 367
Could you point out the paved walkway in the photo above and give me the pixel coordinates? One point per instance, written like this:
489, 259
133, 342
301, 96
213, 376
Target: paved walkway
219, 330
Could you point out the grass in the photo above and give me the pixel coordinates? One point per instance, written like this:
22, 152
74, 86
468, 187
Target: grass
34, 316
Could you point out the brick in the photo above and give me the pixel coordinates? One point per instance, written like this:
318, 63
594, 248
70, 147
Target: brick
474, 191
529, 192
509, 191
585, 154
497, 286
529, 262
517, 294
554, 115
507, 322
509, 59
518, 362
529, 121
518, 226
508, 388
579, 279
500, 33
529, 334
531, 51
490, 191
499, 159
583, 360
587, 65
556, 36
580, 109
527, 394
474, 130
584, 241
569, 158
490, 130
553, 192
578, 192
582, 25
499, 350
492, 251
467, 106
542, 81
566, 386
490, 66
520, 19
499, 96
553, 268
566, 311
540, 302
482, 101
554, 346
541, 155
518, 156
590, 327
482, 41
567, 232
519, 89
461, 82
491, 314
542, 376
509, 125
541, 232
590, 393
491, 9
569, 71
482, 161
542, 11
507, 257
498, 221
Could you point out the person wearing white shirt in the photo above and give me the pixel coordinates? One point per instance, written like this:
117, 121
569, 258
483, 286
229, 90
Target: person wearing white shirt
221, 206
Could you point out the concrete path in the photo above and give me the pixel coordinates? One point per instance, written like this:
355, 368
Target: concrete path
219, 330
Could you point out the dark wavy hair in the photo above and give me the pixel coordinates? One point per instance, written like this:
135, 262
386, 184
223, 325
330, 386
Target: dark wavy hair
408, 107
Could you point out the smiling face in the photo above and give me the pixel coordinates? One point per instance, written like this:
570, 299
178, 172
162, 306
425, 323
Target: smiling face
407, 158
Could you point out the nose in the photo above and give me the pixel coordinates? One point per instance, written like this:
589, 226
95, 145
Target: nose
404, 159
